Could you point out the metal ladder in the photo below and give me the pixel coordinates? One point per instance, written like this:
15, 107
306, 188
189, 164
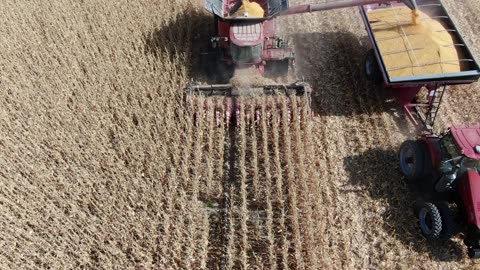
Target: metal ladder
435, 99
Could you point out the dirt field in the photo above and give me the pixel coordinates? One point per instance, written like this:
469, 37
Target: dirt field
102, 166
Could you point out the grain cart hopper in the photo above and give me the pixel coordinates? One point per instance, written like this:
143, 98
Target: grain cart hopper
445, 170
246, 37
429, 54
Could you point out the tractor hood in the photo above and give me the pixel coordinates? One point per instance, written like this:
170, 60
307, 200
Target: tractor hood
470, 192
467, 139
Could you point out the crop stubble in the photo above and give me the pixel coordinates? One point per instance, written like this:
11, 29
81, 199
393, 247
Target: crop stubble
104, 166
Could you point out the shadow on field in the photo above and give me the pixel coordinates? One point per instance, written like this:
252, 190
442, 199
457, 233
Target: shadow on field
377, 173
185, 36
333, 62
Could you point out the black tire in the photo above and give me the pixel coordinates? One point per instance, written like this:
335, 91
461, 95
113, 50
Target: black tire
371, 68
412, 158
430, 221
449, 225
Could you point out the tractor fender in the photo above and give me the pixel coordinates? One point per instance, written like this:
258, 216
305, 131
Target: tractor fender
469, 188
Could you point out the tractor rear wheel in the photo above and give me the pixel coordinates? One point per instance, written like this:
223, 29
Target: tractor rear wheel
414, 160
372, 69
430, 221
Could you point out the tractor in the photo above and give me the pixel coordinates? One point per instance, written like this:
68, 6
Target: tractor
444, 171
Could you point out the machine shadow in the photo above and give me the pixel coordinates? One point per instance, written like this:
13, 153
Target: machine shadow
377, 174
183, 37
333, 62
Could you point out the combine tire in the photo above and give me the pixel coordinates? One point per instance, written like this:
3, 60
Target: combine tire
430, 221
414, 160
372, 69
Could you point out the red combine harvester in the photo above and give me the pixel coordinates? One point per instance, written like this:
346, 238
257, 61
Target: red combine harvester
245, 42
445, 171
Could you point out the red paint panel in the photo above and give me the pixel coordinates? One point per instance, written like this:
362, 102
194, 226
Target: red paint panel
467, 137
470, 192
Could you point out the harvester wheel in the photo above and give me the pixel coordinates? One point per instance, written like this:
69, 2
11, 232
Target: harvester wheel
372, 70
449, 226
430, 221
413, 159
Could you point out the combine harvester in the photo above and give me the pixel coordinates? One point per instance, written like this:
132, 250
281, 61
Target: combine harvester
247, 38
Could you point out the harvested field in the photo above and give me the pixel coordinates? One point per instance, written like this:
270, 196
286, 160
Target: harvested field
104, 167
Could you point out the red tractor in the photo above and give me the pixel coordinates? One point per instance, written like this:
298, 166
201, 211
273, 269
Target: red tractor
445, 172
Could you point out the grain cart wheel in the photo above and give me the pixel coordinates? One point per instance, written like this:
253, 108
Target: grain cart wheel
372, 69
412, 160
430, 221
449, 225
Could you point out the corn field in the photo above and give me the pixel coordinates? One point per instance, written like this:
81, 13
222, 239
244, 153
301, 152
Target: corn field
103, 165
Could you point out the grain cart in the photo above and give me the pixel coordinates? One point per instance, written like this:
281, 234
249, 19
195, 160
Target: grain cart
246, 36
445, 172
407, 57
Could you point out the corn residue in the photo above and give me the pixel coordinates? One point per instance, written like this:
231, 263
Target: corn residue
412, 44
